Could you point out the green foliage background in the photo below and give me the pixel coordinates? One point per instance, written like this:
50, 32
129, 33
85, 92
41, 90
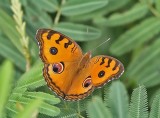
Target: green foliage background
134, 29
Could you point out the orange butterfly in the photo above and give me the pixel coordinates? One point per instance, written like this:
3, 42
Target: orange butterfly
71, 74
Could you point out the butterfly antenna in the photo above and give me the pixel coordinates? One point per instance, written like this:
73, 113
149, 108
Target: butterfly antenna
100, 44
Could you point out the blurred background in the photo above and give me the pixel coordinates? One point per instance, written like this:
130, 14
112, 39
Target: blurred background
133, 27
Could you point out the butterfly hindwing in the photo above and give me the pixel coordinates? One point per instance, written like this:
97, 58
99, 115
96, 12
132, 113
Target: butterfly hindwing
69, 84
104, 69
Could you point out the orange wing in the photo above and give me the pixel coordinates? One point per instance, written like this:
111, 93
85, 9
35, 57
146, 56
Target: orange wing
105, 69
56, 47
70, 84
58, 52
69, 73
96, 73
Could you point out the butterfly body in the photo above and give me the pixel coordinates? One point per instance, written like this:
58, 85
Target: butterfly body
71, 74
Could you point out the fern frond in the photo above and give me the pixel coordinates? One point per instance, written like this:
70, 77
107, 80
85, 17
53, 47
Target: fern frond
118, 100
44, 96
71, 8
96, 109
44, 108
30, 110
31, 79
97, 92
142, 32
139, 104
151, 54
127, 17
106, 94
155, 108
67, 113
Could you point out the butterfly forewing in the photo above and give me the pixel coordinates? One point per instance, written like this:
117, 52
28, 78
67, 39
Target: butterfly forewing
56, 47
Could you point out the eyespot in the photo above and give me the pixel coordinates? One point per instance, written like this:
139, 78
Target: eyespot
58, 67
53, 50
87, 82
101, 73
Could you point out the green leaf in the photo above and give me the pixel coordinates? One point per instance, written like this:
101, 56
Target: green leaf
78, 7
153, 93
11, 109
47, 5
6, 72
136, 36
32, 79
34, 19
155, 108
111, 6
138, 106
8, 51
67, 113
106, 94
153, 74
4, 4
44, 96
17, 93
129, 16
115, 5
118, 100
92, 45
78, 32
157, 4
72, 109
150, 56
30, 109
8, 27
96, 109
44, 108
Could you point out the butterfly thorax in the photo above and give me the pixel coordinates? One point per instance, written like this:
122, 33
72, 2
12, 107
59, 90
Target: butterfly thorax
84, 61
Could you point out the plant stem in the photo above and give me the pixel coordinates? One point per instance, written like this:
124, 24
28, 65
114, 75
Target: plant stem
59, 12
27, 56
80, 116
152, 9
78, 107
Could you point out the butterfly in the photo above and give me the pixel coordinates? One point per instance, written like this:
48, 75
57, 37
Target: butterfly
68, 72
